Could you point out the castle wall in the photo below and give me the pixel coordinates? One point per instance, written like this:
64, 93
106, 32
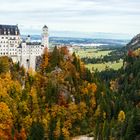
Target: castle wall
9, 44
27, 54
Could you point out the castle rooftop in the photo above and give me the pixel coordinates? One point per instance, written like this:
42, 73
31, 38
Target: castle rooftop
9, 30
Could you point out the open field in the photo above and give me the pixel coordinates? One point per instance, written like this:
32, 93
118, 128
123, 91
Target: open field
96, 53
93, 52
102, 66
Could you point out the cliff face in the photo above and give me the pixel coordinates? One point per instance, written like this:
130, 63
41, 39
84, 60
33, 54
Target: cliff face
134, 43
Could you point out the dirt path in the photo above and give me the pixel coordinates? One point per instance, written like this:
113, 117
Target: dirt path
83, 138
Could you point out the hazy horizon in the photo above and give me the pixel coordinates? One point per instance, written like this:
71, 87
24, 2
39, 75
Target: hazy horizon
84, 16
95, 35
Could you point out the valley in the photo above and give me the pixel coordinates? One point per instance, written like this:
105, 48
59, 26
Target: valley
71, 95
98, 53
101, 53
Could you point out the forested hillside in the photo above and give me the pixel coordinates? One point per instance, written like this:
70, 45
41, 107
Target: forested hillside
56, 102
63, 99
122, 102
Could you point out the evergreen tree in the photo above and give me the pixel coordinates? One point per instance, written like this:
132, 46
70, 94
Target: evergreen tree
37, 132
55, 57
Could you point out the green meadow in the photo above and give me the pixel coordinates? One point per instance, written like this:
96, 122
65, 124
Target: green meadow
92, 53
96, 53
103, 66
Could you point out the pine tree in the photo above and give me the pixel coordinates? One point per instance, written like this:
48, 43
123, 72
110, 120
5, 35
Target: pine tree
37, 132
55, 58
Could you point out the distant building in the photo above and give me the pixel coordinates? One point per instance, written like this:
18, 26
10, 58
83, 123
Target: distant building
69, 47
25, 52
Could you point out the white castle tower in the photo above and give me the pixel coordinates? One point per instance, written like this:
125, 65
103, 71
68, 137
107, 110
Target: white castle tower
45, 37
25, 52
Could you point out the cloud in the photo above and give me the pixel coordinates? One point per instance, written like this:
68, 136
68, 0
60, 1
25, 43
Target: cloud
78, 15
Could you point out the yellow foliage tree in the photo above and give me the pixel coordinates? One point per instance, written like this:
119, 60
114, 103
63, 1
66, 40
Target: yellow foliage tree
45, 61
114, 85
4, 64
65, 133
6, 121
73, 109
121, 116
92, 87
27, 122
98, 112
57, 131
93, 102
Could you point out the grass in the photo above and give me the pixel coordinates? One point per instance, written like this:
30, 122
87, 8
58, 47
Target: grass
96, 53
102, 66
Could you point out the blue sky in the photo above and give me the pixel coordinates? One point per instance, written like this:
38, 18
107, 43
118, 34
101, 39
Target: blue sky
87, 16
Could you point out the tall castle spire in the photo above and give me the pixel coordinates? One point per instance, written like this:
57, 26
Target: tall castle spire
45, 36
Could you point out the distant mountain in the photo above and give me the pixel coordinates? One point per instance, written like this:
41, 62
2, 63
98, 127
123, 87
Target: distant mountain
81, 41
134, 43
94, 35
88, 41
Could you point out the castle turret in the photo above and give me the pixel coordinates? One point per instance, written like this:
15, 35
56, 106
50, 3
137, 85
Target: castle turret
28, 39
45, 37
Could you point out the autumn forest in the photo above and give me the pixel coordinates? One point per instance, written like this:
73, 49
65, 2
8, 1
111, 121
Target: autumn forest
63, 99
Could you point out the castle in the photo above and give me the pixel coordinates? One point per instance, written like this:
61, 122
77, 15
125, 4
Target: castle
23, 51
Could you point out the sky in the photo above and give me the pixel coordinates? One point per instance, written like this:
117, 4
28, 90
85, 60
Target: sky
85, 16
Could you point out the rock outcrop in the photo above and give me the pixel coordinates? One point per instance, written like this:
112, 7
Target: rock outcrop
134, 43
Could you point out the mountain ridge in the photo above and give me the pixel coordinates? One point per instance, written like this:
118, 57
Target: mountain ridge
134, 43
